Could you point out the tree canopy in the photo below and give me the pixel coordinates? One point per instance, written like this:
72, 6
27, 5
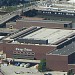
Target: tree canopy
11, 2
42, 66
70, 72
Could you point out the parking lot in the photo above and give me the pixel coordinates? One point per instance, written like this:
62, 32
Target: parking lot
19, 70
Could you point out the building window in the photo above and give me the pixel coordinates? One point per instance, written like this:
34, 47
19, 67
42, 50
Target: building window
14, 52
33, 53
65, 25
21, 52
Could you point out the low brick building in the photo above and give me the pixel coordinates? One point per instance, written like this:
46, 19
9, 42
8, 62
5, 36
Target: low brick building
41, 23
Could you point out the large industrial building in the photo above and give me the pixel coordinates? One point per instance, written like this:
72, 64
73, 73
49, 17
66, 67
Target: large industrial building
42, 39
58, 8
26, 22
54, 45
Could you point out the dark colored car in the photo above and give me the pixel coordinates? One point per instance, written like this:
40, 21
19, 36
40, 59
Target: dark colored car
48, 74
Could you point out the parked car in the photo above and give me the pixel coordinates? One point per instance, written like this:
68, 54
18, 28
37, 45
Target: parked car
27, 65
48, 74
17, 72
45, 74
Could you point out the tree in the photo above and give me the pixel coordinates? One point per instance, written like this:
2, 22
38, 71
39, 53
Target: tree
70, 72
42, 66
10, 2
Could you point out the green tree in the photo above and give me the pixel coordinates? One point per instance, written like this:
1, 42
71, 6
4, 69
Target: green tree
70, 72
42, 65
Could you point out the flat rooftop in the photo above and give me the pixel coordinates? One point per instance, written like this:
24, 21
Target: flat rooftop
6, 17
52, 35
7, 30
31, 18
66, 50
57, 7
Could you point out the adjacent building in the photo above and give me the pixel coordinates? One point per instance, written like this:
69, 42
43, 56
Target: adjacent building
41, 23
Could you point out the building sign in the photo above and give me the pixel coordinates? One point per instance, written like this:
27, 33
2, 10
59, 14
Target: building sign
23, 49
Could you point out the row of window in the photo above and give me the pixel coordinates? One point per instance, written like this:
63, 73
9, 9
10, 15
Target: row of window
22, 55
46, 12
60, 13
23, 52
